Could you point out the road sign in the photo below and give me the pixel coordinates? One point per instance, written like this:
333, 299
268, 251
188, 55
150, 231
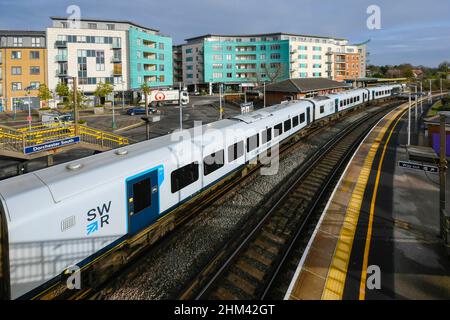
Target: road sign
51, 145
29, 118
418, 166
160, 96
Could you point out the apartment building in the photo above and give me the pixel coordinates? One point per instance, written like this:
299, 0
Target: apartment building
122, 53
23, 68
247, 60
177, 64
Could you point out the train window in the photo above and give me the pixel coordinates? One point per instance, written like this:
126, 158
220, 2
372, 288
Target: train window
322, 109
252, 142
235, 151
302, 118
295, 121
342, 103
277, 130
142, 195
287, 125
213, 162
184, 176
266, 135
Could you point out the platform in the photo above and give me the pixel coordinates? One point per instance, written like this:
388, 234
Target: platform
381, 226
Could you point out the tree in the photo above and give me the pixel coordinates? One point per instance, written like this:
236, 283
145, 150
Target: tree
444, 66
103, 90
62, 90
44, 93
146, 90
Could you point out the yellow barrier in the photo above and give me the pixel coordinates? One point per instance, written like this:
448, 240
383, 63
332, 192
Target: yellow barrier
13, 139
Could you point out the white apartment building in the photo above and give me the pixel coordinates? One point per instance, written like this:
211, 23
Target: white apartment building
96, 51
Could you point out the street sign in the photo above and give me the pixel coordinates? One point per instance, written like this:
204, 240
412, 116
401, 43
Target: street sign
246, 107
418, 166
51, 145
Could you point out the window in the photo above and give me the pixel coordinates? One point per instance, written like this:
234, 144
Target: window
317, 57
217, 66
110, 26
295, 121
16, 71
217, 75
189, 50
317, 48
235, 151
228, 57
64, 25
213, 162
35, 70
275, 56
35, 42
278, 129
217, 57
229, 66
322, 109
15, 86
189, 67
275, 47
302, 117
229, 75
17, 41
161, 56
303, 65
184, 176
16, 54
162, 78
262, 47
142, 195
303, 56
266, 135
287, 125
92, 25
252, 142
189, 59
34, 55
161, 46
217, 48
302, 48
161, 67
189, 75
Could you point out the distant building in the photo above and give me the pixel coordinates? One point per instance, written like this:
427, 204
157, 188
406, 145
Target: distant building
23, 68
244, 61
294, 89
177, 64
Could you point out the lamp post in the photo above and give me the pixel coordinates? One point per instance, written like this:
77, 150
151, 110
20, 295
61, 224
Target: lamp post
409, 118
415, 107
113, 125
421, 100
264, 93
123, 94
220, 102
179, 104
431, 97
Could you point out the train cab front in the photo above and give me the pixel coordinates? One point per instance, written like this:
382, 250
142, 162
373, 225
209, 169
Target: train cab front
4, 256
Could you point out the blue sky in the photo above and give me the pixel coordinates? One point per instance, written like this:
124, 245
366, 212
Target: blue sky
414, 31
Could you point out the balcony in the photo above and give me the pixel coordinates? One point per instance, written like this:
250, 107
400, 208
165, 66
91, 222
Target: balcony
150, 67
61, 73
61, 58
149, 44
245, 57
245, 48
61, 44
149, 56
116, 46
117, 71
116, 60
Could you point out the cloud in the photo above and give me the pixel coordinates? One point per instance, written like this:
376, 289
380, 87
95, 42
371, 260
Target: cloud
417, 25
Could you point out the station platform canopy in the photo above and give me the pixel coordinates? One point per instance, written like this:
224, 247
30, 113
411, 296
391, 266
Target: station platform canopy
365, 82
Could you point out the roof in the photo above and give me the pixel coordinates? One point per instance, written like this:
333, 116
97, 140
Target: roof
22, 33
108, 21
302, 85
261, 34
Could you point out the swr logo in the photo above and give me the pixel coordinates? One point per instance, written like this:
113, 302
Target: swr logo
100, 215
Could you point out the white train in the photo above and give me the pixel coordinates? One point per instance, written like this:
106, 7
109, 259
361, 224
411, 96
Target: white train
68, 214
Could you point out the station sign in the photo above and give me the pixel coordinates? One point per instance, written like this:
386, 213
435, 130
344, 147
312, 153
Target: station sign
418, 166
246, 107
51, 145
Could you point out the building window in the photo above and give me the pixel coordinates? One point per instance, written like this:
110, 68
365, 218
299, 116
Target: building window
110, 26
275, 47
317, 65
302, 48
317, 57
189, 59
17, 41
217, 75
162, 78
92, 25
229, 48
189, 67
15, 71
34, 55
161, 56
303, 65
229, 66
303, 56
217, 57
100, 60
161, 67
16, 86
217, 66
189, 76
189, 50
229, 75
35, 85
317, 48
262, 47
217, 48
35, 70
16, 55
35, 42
262, 57
275, 56
161, 46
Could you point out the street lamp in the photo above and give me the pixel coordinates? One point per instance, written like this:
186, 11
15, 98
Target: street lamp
28, 89
113, 125
123, 94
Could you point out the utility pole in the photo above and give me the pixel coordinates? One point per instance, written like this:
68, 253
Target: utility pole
75, 103
409, 118
415, 107
123, 95
431, 97
181, 110
29, 110
421, 100
113, 114
264, 86
441, 87
442, 173
220, 102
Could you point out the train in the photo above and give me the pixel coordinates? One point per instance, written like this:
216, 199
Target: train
68, 214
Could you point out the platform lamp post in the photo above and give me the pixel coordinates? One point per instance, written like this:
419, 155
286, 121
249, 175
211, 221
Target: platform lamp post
75, 102
409, 118
179, 105
123, 94
28, 90
264, 93
421, 100
415, 107
431, 97
220, 101
442, 175
441, 86
113, 125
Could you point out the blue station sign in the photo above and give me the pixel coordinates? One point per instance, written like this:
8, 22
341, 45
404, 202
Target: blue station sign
51, 145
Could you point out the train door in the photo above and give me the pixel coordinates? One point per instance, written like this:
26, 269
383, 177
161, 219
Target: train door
336, 105
308, 115
142, 200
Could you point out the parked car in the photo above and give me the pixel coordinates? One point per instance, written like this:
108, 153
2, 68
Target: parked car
140, 110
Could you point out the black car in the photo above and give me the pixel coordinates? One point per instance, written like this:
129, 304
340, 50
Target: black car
139, 110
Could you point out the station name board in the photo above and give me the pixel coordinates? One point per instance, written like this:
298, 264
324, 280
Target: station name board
51, 145
418, 166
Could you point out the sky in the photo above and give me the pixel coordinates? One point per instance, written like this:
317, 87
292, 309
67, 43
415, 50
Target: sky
412, 31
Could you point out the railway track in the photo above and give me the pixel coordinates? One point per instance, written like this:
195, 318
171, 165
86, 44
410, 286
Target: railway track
246, 267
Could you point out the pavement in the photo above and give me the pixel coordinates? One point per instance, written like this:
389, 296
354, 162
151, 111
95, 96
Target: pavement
378, 238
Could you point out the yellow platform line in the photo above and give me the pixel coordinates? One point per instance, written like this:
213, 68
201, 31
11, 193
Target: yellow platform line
362, 285
337, 273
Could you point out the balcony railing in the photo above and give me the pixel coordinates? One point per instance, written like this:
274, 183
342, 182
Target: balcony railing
61, 44
61, 58
116, 46
116, 60
61, 73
